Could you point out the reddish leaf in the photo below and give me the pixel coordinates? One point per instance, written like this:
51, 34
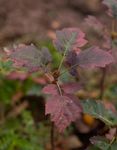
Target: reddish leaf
30, 57
110, 106
101, 142
63, 110
45, 55
112, 5
71, 60
111, 134
99, 28
69, 39
40, 80
51, 89
89, 58
95, 24
17, 76
107, 41
94, 57
67, 88
71, 88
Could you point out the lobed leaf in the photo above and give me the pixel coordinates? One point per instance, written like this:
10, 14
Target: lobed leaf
45, 55
98, 110
100, 142
100, 31
63, 110
71, 88
89, 58
112, 5
103, 144
95, 24
69, 39
71, 60
94, 57
17, 76
30, 57
51, 89
67, 88
111, 133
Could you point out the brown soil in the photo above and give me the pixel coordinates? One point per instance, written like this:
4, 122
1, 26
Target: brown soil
40, 18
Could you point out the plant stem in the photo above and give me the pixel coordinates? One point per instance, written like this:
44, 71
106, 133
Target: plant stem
102, 81
113, 139
59, 68
52, 137
113, 25
104, 70
68, 69
52, 126
60, 91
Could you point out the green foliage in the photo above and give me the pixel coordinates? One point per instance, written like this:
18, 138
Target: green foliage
111, 93
56, 57
112, 5
22, 134
97, 110
5, 66
93, 148
104, 144
7, 89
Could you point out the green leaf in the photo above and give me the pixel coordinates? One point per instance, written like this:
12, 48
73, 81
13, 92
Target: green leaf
103, 143
98, 110
112, 5
92, 148
100, 142
114, 146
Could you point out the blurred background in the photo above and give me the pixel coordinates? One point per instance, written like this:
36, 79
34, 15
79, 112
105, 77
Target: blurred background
38, 19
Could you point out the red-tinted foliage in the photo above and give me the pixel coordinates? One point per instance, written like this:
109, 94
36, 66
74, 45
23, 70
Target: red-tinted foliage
111, 134
69, 88
100, 29
94, 57
63, 110
17, 76
62, 105
112, 5
95, 24
51, 89
30, 57
89, 58
69, 39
